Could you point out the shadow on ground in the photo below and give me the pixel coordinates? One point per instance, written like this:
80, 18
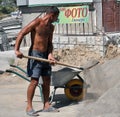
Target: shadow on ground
60, 100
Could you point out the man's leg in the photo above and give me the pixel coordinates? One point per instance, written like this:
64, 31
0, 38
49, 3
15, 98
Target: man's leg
46, 91
30, 93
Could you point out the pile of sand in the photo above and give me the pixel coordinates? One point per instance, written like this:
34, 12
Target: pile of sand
77, 56
80, 55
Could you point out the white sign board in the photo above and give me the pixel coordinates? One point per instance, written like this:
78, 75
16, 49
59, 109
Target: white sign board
45, 2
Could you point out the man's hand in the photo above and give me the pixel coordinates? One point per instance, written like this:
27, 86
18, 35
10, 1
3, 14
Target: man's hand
19, 54
51, 59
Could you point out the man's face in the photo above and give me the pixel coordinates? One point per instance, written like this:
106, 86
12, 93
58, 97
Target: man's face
54, 18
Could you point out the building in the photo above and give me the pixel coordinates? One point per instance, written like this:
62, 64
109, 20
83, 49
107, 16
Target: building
103, 22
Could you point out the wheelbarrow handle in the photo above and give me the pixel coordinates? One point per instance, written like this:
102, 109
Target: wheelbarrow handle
48, 61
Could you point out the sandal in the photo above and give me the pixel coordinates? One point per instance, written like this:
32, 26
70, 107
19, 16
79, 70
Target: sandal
32, 112
50, 109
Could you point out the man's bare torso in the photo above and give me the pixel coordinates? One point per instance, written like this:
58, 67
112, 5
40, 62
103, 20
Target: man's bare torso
41, 35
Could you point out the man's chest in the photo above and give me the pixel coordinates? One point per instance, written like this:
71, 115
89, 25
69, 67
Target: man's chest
42, 29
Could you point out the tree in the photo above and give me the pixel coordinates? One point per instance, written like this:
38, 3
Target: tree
8, 2
0, 1
7, 6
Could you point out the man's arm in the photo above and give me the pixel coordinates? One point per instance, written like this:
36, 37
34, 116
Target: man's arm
22, 33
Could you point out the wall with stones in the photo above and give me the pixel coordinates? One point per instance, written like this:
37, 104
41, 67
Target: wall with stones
93, 43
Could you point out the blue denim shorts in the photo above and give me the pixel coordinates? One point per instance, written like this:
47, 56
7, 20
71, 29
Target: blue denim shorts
35, 68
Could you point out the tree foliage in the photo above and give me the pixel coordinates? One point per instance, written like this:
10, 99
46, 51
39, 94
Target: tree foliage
7, 9
7, 6
0, 1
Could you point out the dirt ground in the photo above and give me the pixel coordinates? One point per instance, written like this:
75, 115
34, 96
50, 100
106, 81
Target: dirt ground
103, 79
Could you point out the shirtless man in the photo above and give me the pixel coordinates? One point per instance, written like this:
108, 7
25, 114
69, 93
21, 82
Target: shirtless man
41, 30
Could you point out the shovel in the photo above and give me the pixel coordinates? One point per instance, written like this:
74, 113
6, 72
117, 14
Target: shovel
87, 66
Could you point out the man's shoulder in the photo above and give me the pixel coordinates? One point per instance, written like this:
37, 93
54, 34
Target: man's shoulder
38, 20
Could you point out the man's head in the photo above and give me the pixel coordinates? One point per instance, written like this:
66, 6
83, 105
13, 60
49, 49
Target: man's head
53, 9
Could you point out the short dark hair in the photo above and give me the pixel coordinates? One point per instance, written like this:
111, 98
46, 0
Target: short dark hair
53, 9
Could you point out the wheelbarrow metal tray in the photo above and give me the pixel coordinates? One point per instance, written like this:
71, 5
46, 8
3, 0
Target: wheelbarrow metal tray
62, 76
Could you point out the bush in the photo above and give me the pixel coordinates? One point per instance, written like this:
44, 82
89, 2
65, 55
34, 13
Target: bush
6, 9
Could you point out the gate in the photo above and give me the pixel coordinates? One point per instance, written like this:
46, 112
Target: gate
111, 15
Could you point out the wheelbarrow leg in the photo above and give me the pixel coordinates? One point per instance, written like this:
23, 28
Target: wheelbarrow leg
52, 95
41, 95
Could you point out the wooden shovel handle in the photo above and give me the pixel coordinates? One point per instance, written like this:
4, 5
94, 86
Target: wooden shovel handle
48, 61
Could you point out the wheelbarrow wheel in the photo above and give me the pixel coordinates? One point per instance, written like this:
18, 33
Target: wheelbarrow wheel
74, 90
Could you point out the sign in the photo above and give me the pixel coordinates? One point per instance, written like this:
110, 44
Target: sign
52, 2
79, 14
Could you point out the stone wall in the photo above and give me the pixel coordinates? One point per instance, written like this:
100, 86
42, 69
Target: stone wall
93, 43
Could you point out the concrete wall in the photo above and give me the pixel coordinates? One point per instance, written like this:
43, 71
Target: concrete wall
93, 43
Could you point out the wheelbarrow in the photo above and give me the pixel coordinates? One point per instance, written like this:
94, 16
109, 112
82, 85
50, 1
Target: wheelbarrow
68, 78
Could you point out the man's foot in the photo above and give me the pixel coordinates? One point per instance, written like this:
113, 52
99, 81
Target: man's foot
50, 109
32, 112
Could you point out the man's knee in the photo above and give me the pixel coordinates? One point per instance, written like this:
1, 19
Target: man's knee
34, 81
